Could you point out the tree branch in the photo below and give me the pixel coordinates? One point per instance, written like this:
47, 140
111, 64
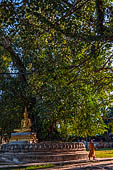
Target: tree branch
103, 67
73, 9
15, 58
100, 15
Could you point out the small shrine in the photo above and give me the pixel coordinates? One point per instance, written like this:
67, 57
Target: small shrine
23, 147
24, 134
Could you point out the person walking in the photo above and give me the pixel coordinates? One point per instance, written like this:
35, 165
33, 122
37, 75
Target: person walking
91, 150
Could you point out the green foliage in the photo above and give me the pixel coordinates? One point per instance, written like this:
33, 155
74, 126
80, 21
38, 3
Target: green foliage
108, 119
66, 49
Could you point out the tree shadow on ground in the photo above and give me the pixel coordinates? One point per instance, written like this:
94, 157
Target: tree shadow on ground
89, 166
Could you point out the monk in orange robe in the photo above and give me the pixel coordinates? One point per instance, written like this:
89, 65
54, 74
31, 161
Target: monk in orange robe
91, 150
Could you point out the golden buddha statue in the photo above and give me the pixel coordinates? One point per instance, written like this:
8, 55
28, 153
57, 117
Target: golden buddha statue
24, 134
25, 123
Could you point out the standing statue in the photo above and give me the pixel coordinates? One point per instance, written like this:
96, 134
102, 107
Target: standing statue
25, 123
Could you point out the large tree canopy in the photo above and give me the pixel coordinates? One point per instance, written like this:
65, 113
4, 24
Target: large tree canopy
61, 54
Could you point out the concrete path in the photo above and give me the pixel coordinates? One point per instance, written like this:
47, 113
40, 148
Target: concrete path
98, 164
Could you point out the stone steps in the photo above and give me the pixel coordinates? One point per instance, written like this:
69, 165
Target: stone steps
42, 157
43, 152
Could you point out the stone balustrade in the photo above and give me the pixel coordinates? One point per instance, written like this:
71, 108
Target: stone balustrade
43, 152
43, 146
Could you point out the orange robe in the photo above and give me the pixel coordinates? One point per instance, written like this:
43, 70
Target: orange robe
91, 150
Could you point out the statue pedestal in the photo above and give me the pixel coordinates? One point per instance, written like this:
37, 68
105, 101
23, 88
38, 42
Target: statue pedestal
23, 137
43, 152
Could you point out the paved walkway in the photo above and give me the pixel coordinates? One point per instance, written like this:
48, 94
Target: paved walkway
98, 164
91, 165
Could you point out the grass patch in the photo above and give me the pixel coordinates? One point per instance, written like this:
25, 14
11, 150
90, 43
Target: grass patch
29, 167
104, 153
39, 166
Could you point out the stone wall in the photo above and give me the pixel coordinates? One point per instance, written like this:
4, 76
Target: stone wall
44, 152
42, 147
100, 145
